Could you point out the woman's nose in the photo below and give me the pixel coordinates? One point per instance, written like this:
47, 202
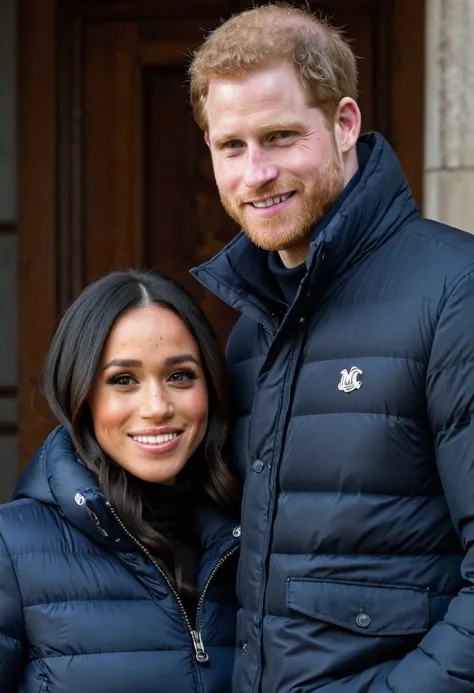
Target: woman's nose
155, 403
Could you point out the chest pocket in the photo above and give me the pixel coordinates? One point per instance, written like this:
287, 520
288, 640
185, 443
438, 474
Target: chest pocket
364, 608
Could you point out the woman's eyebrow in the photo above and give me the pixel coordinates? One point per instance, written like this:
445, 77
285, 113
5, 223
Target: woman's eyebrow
123, 363
181, 358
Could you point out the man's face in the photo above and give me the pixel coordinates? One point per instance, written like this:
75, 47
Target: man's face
275, 160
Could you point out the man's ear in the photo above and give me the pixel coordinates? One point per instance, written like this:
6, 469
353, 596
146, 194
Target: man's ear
207, 140
347, 124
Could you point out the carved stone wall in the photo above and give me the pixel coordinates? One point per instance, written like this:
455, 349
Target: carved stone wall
449, 132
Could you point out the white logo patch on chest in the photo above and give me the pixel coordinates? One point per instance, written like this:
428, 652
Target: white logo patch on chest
349, 381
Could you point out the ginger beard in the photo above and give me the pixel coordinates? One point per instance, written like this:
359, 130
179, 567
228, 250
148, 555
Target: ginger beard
288, 228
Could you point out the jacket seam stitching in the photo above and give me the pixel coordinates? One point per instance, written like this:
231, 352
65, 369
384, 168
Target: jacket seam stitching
448, 368
20, 596
291, 368
432, 239
465, 273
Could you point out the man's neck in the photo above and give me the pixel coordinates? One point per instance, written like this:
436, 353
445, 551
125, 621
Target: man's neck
296, 255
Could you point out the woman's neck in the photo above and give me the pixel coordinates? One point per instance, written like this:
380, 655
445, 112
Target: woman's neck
169, 508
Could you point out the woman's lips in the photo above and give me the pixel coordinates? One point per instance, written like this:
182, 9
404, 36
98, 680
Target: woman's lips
157, 444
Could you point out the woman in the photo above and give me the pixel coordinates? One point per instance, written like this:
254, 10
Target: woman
118, 553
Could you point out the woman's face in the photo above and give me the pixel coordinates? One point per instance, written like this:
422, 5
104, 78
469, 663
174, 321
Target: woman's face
149, 401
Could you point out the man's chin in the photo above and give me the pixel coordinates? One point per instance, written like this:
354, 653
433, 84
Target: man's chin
274, 241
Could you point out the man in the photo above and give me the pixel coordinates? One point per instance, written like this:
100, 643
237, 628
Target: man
353, 372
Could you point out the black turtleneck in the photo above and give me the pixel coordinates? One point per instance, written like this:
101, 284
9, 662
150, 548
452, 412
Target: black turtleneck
170, 509
289, 278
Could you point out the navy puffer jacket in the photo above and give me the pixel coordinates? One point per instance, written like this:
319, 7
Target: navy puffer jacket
82, 609
355, 433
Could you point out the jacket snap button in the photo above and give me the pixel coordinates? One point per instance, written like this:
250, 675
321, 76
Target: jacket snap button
236, 532
363, 620
79, 498
257, 466
302, 319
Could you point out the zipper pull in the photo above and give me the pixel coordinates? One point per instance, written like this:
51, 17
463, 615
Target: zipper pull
201, 656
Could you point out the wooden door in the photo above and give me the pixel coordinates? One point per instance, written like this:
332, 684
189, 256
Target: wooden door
128, 178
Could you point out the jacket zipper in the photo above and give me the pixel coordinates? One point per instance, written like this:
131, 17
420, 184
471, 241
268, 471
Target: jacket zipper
219, 563
200, 653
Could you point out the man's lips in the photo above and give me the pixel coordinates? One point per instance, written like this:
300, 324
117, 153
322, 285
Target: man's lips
269, 200
268, 207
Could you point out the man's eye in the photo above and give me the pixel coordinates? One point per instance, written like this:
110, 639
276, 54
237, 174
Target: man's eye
233, 144
283, 134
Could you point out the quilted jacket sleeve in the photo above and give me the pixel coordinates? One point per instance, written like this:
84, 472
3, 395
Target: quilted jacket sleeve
444, 660
11, 624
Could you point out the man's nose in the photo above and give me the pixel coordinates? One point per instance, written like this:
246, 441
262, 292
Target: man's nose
155, 403
259, 171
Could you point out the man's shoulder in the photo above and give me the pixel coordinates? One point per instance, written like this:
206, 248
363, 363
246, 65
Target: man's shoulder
432, 236
431, 256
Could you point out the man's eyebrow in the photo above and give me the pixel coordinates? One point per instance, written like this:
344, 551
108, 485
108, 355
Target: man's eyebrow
278, 125
271, 126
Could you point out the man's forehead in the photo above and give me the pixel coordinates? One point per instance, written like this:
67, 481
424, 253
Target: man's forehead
270, 98
270, 80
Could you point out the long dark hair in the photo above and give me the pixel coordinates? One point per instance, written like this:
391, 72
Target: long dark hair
71, 368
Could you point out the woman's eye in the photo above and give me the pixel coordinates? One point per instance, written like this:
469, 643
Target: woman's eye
122, 380
184, 377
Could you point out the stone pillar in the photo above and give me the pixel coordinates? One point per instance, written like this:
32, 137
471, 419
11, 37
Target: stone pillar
449, 131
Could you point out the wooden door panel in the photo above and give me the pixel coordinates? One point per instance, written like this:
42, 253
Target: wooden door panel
361, 32
112, 166
185, 223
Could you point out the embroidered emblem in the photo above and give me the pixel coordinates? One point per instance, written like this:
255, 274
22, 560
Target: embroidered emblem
349, 380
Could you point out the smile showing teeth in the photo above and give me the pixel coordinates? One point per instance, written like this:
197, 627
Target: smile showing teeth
271, 201
155, 440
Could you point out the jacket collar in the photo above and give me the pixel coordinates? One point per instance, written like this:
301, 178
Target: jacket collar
56, 477
379, 205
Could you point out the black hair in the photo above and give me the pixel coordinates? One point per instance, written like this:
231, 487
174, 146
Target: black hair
71, 369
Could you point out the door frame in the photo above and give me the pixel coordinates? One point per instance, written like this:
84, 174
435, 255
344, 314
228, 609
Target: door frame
37, 217
50, 150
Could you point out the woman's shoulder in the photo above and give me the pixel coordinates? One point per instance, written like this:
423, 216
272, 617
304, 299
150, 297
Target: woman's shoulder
28, 525
22, 511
